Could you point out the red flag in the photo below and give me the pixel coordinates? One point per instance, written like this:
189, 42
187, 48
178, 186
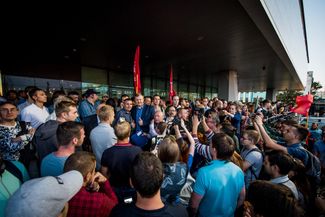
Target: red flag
171, 88
136, 71
303, 104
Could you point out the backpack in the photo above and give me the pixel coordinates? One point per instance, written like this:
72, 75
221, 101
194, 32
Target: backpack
250, 168
313, 167
10, 167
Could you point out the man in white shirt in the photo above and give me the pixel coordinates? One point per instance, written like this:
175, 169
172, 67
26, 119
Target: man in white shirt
28, 101
36, 113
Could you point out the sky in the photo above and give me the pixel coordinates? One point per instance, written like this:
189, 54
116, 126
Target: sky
315, 26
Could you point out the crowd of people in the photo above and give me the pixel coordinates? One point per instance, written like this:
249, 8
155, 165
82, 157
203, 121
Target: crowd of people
144, 156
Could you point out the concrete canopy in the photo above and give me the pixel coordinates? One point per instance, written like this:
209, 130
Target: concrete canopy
201, 39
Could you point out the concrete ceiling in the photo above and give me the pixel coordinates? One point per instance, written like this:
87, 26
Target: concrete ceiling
201, 39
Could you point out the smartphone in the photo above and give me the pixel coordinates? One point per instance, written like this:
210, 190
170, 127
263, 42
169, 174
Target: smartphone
128, 200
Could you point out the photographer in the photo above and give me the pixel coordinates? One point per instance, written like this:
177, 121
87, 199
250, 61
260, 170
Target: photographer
170, 115
182, 114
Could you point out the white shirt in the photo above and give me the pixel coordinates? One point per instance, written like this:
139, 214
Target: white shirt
284, 180
21, 107
52, 116
35, 115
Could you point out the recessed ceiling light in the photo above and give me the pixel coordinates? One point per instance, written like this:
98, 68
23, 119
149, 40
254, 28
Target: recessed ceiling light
74, 50
66, 57
200, 38
83, 39
147, 57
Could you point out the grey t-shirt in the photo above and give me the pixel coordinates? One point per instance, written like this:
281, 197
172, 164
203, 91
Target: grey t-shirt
255, 159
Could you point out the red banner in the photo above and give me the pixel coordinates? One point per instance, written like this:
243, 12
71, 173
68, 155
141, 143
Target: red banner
136, 71
303, 104
171, 88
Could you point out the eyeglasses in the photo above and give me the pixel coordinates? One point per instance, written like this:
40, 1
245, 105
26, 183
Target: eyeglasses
8, 110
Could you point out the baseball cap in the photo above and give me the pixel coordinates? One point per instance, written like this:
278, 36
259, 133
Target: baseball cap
90, 91
44, 196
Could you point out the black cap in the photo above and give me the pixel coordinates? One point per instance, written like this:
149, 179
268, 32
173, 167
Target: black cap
90, 91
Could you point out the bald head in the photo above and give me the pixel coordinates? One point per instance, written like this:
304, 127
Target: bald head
158, 117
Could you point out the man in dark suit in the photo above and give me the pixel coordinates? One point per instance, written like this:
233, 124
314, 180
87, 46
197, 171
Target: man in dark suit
142, 114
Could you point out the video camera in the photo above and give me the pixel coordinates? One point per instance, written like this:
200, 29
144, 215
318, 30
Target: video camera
199, 112
176, 121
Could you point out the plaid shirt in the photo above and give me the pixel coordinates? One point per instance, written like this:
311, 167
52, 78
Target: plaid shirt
89, 204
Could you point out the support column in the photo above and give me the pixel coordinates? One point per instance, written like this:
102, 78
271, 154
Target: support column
250, 97
228, 86
271, 94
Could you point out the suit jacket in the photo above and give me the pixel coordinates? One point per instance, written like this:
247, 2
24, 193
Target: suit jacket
147, 115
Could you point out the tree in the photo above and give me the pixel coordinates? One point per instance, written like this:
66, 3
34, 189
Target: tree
288, 96
315, 86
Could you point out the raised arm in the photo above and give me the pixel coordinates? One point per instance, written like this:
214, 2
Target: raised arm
190, 138
267, 139
201, 149
204, 124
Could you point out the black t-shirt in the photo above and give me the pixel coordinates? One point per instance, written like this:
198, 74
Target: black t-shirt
118, 159
130, 210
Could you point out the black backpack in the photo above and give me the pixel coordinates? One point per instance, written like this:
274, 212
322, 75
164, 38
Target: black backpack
10, 167
313, 167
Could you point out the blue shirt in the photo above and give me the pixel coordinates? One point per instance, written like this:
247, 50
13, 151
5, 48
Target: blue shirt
220, 184
316, 134
138, 116
175, 175
319, 148
86, 109
52, 165
298, 151
122, 114
236, 120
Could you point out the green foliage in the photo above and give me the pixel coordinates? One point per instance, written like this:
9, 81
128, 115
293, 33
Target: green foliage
288, 96
315, 86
